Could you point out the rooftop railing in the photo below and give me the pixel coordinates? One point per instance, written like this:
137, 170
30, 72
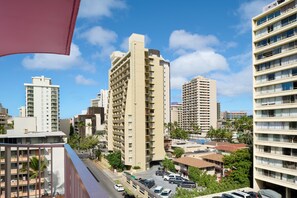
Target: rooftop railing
45, 170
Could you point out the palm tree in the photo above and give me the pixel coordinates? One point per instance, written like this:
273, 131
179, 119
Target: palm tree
2, 129
35, 169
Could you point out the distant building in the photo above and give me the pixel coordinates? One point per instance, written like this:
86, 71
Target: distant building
22, 111
65, 126
227, 115
91, 122
199, 105
176, 113
139, 103
3, 116
42, 102
101, 100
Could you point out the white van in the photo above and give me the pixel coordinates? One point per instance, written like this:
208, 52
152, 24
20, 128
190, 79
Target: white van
240, 194
172, 175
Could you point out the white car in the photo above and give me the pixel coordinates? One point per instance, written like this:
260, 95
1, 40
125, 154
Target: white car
119, 187
158, 190
172, 175
165, 193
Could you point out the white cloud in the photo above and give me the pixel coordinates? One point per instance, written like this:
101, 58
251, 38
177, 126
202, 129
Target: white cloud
99, 8
125, 44
58, 62
102, 38
234, 83
198, 62
196, 56
81, 80
247, 11
182, 40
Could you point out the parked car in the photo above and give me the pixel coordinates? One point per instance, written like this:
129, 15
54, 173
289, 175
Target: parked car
149, 183
225, 195
254, 194
119, 187
158, 190
269, 193
176, 180
172, 175
240, 194
187, 184
165, 193
127, 195
160, 172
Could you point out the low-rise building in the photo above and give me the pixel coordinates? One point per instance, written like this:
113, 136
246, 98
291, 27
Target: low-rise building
22, 181
216, 159
182, 165
230, 148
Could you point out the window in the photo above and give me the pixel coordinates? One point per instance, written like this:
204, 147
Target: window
267, 149
287, 86
130, 145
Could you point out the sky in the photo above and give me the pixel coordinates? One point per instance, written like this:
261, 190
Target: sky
207, 38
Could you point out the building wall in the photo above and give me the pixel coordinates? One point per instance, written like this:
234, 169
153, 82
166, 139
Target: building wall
199, 104
25, 124
137, 103
176, 114
65, 126
275, 97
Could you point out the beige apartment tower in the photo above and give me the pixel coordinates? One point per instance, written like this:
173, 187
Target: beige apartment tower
275, 98
138, 103
199, 105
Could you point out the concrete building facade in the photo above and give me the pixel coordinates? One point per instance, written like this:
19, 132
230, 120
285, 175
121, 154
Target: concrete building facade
275, 97
199, 104
101, 100
43, 102
3, 116
176, 113
138, 103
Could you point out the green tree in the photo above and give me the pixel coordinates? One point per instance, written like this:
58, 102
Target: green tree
2, 129
179, 133
71, 130
202, 178
239, 163
88, 143
74, 141
178, 152
34, 169
168, 165
98, 154
115, 160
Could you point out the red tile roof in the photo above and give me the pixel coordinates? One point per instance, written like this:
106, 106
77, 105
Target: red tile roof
214, 157
189, 161
231, 147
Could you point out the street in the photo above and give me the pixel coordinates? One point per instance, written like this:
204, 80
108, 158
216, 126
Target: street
103, 180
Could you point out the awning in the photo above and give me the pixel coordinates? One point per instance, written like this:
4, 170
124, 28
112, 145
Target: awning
37, 26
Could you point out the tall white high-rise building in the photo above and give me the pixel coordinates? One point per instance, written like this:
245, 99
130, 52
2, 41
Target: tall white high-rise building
199, 106
275, 97
42, 102
101, 100
138, 103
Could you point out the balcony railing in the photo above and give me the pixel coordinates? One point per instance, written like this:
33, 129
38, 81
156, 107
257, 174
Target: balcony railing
45, 170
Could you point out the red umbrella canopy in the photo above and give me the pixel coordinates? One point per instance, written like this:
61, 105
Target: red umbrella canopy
37, 26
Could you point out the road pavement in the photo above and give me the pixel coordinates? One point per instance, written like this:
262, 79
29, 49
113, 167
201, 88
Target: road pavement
105, 181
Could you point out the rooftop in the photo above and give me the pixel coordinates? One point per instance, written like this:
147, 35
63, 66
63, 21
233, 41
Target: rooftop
189, 161
231, 147
214, 157
22, 134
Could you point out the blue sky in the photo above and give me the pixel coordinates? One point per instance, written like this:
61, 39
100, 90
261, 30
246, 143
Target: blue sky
208, 38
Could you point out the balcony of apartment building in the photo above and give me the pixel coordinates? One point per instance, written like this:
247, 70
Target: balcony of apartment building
276, 140
282, 89
37, 171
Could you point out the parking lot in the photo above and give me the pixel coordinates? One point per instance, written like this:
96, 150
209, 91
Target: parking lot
159, 181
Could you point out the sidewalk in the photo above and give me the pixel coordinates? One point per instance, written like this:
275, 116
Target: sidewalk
113, 176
